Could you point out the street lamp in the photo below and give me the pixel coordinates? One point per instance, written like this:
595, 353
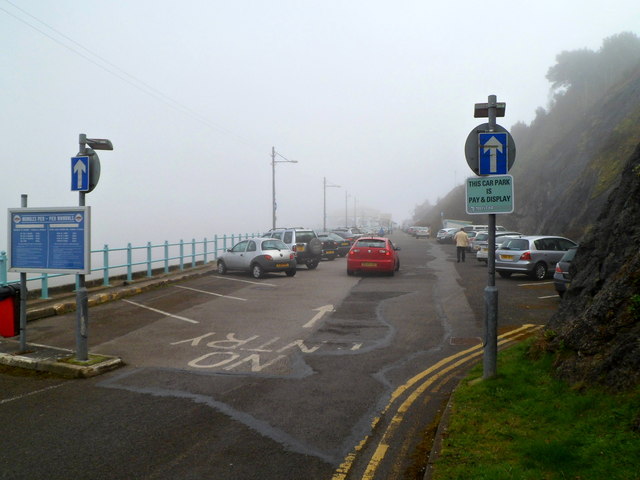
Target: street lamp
346, 209
324, 218
273, 180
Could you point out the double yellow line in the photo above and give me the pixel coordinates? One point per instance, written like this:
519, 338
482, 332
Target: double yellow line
446, 365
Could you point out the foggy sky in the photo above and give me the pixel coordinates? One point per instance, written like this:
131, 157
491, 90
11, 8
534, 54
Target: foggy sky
375, 96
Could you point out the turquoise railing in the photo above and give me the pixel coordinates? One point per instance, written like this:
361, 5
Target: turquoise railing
167, 254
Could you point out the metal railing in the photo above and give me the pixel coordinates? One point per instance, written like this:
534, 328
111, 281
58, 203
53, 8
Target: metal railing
126, 259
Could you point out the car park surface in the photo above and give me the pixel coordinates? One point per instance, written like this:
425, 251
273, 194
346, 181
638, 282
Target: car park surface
535, 256
373, 254
297, 378
258, 256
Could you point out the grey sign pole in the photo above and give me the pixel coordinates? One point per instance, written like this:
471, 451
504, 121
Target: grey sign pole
491, 291
23, 296
82, 297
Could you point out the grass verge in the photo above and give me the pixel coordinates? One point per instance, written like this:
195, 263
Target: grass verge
524, 424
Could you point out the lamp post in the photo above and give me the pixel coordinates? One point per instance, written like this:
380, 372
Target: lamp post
346, 209
324, 216
273, 181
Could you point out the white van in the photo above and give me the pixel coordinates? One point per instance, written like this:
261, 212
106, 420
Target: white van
483, 228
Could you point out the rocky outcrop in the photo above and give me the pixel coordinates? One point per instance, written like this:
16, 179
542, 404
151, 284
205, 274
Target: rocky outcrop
595, 333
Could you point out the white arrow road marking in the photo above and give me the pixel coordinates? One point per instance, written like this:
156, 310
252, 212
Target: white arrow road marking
492, 145
161, 312
321, 311
211, 293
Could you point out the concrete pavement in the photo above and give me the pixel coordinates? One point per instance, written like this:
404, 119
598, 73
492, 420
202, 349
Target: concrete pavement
61, 361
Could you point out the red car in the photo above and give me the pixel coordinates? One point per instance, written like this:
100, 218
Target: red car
373, 254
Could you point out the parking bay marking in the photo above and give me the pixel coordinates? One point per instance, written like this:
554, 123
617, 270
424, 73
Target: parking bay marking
212, 293
264, 284
161, 312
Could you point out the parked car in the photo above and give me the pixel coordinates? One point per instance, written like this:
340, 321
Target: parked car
482, 254
258, 256
352, 232
535, 256
329, 247
373, 254
343, 245
471, 236
349, 237
422, 232
475, 242
304, 242
561, 276
446, 235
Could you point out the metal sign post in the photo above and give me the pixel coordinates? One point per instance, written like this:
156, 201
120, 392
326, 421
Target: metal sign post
490, 153
92, 176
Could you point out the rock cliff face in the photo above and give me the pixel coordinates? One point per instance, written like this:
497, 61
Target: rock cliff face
596, 331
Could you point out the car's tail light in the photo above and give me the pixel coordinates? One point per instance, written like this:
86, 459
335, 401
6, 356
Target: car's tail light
525, 256
294, 248
354, 250
292, 256
268, 257
384, 251
558, 269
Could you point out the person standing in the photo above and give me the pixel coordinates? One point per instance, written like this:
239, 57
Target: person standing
462, 242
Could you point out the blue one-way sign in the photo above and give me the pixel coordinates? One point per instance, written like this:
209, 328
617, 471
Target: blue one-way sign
493, 153
80, 174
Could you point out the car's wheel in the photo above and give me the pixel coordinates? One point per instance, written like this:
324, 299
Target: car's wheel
222, 268
331, 257
312, 263
257, 271
291, 273
539, 271
349, 272
505, 274
398, 266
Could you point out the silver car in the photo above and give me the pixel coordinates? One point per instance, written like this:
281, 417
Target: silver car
535, 256
258, 256
482, 246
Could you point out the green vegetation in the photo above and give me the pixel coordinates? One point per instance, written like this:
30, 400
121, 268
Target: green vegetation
525, 424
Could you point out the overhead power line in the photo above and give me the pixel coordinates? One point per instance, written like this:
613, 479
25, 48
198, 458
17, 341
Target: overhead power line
120, 73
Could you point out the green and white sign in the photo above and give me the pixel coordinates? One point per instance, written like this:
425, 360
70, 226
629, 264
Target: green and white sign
489, 194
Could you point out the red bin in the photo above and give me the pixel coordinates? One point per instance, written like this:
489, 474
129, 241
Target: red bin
9, 311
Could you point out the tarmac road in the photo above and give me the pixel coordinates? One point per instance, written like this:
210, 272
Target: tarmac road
317, 376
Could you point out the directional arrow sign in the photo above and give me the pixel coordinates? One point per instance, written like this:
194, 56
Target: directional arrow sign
321, 311
80, 174
493, 153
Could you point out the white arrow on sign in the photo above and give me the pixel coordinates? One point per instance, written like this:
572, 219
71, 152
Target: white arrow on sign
492, 145
79, 170
321, 311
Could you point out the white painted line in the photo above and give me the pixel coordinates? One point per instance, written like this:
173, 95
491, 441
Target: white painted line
244, 281
19, 397
321, 311
161, 312
533, 284
212, 293
551, 296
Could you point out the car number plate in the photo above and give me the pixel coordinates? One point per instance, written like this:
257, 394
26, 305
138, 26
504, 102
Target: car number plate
330, 252
282, 265
506, 257
369, 264
299, 248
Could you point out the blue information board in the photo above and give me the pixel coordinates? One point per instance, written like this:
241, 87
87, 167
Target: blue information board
50, 240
